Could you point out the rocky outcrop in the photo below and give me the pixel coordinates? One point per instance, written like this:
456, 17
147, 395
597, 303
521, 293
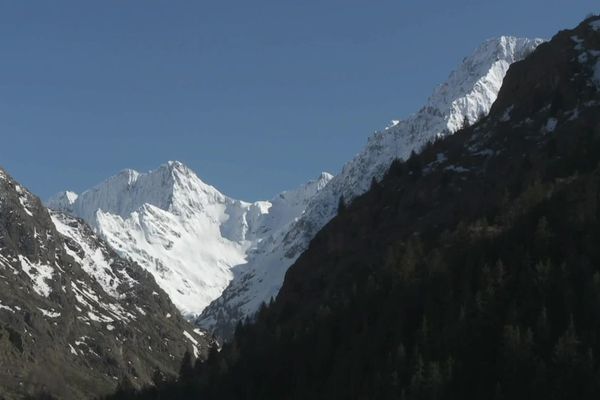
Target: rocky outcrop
75, 318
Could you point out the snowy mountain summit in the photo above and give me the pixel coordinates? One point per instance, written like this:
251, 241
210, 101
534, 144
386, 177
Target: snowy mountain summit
184, 231
464, 98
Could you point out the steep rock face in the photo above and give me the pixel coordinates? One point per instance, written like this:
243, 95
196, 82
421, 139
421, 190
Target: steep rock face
465, 97
185, 232
75, 318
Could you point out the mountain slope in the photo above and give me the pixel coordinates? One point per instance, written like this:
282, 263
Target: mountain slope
183, 231
76, 319
471, 271
465, 97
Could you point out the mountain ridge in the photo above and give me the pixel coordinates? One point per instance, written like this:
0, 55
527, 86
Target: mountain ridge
466, 96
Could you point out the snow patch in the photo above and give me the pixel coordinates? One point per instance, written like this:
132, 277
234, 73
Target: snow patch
23, 199
199, 332
49, 314
194, 343
98, 317
72, 349
7, 308
39, 274
392, 124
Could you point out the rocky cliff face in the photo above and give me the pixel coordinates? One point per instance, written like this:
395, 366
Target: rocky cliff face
75, 318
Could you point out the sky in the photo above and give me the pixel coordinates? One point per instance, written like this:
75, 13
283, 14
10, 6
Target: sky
255, 96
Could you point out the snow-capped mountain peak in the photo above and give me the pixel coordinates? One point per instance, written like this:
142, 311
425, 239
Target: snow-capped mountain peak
171, 187
184, 231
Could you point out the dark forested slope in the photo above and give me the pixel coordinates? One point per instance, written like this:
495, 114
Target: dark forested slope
471, 271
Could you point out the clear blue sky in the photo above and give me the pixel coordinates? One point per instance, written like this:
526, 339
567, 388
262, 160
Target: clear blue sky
255, 96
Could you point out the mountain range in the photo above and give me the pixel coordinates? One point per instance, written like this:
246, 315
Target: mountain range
455, 256
219, 258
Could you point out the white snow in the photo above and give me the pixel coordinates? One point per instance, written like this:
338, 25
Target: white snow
7, 308
198, 332
190, 337
73, 351
89, 299
49, 314
98, 317
393, 123
94, 259
194, 343
24, 200
185, 232
595, 25
39, 274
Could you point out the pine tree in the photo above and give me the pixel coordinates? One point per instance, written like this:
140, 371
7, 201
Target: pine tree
374, 184
413, 165
186, 371
341, 205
